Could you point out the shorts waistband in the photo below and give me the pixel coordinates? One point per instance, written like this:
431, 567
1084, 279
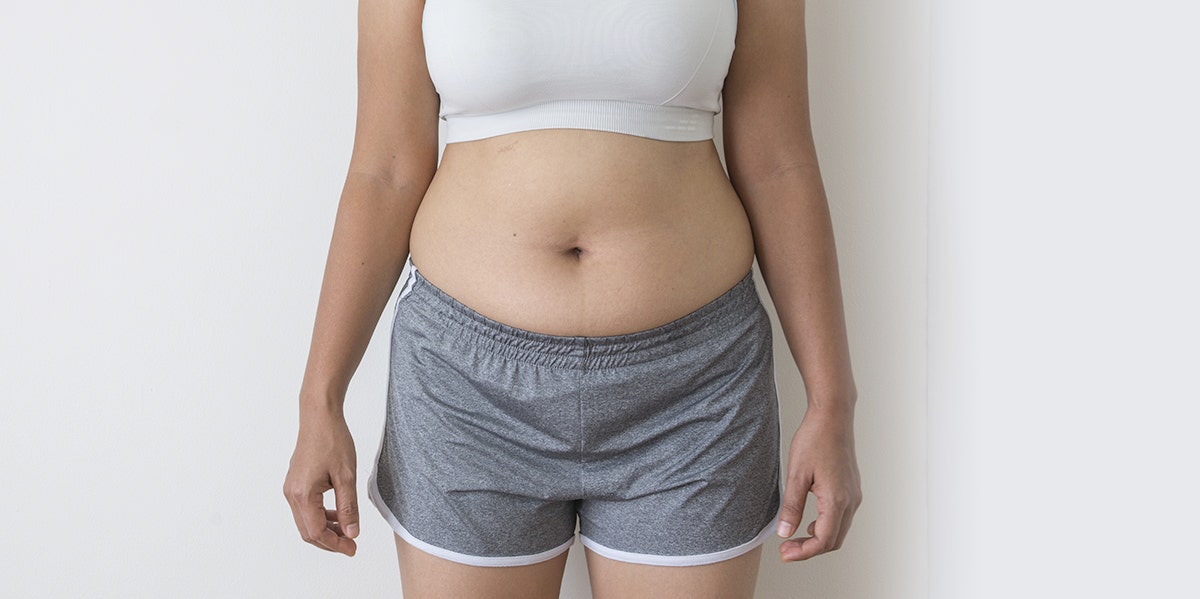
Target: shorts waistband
725, 315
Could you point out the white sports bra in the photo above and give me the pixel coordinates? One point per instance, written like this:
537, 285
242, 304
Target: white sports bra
651, 68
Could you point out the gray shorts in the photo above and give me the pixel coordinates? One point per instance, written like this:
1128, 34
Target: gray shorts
663, 443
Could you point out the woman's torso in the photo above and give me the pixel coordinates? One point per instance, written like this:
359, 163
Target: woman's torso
573, 231
580, 232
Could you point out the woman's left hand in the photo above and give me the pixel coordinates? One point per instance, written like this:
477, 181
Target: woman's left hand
821, 460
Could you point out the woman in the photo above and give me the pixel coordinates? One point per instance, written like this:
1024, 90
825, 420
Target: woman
579, 338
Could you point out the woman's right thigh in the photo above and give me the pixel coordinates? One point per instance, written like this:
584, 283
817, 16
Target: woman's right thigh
427, 576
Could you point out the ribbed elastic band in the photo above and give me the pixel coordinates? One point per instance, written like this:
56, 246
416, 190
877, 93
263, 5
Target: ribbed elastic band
714, 319
666, 123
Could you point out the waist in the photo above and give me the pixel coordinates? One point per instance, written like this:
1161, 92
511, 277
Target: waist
578, 232
729, 315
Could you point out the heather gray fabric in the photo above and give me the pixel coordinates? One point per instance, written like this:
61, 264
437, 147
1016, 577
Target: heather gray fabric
664, 442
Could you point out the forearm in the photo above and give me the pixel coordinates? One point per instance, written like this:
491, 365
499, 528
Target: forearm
796, 254
367, 252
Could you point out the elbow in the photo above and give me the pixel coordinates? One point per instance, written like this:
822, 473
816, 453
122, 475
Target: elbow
749, 179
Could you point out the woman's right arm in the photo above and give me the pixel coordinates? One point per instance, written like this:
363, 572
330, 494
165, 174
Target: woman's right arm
393, 160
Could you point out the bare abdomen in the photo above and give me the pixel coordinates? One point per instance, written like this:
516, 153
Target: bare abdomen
577, 232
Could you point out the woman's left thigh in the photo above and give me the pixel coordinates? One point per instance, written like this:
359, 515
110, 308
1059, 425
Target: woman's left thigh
427, 576
729, 579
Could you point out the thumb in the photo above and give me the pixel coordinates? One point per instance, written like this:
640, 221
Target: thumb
346, 496
792, 510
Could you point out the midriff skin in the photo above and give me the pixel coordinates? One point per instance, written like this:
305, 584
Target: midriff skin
581, 232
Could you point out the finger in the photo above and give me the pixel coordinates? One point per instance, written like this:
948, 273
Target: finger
792, 509
333, 538
331, 520
346, 496
826, 529
299, 502
829, 524
845, 528
313, 514
294, 505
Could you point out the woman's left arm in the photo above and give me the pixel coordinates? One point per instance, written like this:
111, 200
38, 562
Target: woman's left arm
772, 164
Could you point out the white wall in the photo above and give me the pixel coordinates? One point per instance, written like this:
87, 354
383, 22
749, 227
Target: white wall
168, 180
1063, 299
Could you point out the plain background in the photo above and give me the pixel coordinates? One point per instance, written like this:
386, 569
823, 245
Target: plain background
1012, 189
1063, 299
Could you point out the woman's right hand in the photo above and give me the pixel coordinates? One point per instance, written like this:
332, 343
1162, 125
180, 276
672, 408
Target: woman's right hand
324, 459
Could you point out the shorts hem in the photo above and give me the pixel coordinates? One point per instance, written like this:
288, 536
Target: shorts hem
651, 559
454, 556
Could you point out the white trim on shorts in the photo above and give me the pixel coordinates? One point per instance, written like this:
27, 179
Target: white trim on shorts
407, 272
651, 559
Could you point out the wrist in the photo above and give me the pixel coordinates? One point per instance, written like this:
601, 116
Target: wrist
321, 405
831, 408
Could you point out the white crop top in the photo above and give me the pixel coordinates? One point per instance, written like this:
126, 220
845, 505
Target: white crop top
651, 68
